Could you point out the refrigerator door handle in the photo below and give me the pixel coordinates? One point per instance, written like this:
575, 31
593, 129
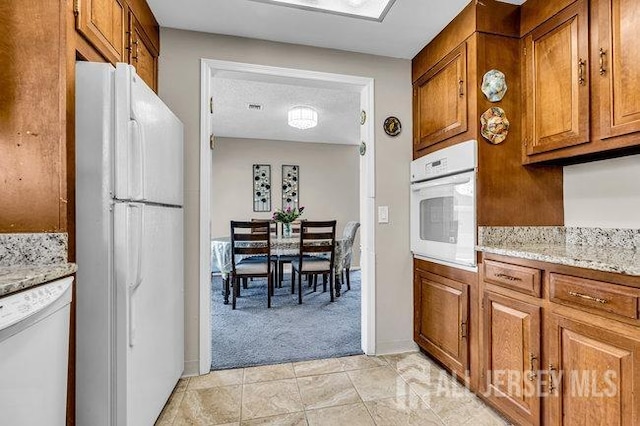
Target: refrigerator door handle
140, 140
138, 276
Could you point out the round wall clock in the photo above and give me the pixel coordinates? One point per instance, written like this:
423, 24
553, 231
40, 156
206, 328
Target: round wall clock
392, 126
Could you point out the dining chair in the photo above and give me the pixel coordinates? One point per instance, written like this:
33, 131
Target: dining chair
317, 238
349, 234
247, 240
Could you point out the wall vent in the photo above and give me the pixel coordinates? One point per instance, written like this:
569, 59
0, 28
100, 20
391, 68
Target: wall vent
255, 107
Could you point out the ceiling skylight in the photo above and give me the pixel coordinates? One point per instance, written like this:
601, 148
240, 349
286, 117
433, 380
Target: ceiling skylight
374, 10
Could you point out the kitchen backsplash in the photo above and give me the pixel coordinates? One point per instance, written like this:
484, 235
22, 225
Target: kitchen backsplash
550, 235
33, 249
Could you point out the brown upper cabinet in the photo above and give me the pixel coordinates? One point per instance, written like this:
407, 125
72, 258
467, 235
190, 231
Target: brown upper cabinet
143, 55
616, 76
446, 74
441, 100
581, 100
102, 23
122, 31
556, 75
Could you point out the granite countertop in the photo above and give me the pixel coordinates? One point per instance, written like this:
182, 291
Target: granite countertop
16, 278
609, 250
28, 260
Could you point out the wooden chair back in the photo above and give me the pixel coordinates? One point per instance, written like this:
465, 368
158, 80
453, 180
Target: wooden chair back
273, 227
250, 233
318, 238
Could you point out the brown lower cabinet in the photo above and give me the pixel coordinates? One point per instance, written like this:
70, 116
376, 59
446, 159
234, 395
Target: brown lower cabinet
593, 373
441, 316
511, 358
563, 356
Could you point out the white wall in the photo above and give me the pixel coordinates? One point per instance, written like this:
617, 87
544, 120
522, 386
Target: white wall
179, 76
603, 194
329, 181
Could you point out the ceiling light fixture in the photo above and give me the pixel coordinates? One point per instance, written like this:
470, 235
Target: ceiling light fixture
372, 10
303, 117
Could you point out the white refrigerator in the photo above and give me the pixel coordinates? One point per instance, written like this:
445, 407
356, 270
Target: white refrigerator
129, 236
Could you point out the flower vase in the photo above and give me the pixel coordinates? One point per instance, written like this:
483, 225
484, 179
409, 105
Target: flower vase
286, 230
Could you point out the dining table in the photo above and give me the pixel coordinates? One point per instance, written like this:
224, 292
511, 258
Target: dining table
280, 246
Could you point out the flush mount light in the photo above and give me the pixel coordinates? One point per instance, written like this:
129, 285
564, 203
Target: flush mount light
373, 10
303, 117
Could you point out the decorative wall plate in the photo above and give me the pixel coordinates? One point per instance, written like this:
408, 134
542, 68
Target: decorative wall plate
494, 85
363, 148
495, 126
363, 117
392, 126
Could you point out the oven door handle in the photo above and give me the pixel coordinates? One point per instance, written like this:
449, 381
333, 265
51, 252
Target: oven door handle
450, 181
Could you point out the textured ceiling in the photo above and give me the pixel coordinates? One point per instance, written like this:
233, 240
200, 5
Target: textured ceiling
338, 109
409, 25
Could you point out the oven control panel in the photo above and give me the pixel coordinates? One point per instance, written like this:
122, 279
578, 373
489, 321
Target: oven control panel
436, 168
447, 161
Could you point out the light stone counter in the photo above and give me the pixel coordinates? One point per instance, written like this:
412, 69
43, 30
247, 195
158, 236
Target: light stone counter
28, 260
609, 250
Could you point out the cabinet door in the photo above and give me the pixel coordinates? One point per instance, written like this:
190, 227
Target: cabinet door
617, 82
556, 79
102, 23
440, 100
511, 342
594, 375
441, 319
142, 54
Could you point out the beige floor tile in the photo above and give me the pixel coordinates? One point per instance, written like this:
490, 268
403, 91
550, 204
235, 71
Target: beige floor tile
216, 379
270, 398
267, 373
182, 385
293, 419
327, 390
168, 414
213, 406
486, 417
393, 359
315, 367
351, 415
358, 362
412, 361
454, 408
432, 383
402, 410
378, 383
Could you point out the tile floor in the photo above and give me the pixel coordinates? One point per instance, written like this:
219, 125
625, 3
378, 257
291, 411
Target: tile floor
404, 389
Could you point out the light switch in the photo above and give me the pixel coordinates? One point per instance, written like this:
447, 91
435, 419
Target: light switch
383, 214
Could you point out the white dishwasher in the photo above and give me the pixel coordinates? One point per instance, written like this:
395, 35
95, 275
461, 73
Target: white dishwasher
34, 351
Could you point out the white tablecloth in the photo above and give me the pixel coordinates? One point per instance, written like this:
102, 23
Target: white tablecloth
221, 251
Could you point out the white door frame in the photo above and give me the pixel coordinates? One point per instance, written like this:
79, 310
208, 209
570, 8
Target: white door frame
367, 195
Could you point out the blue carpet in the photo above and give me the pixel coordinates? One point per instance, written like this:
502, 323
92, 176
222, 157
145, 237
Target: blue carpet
254, 335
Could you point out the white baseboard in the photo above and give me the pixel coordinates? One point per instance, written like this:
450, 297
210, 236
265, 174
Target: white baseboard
191, 368
395, 347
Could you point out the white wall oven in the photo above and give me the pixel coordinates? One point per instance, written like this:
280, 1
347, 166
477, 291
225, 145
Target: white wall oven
443, 206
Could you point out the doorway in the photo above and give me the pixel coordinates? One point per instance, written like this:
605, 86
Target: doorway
209, 69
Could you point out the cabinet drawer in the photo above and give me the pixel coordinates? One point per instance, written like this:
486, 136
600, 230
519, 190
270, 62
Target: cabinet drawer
606, 297
519, 278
